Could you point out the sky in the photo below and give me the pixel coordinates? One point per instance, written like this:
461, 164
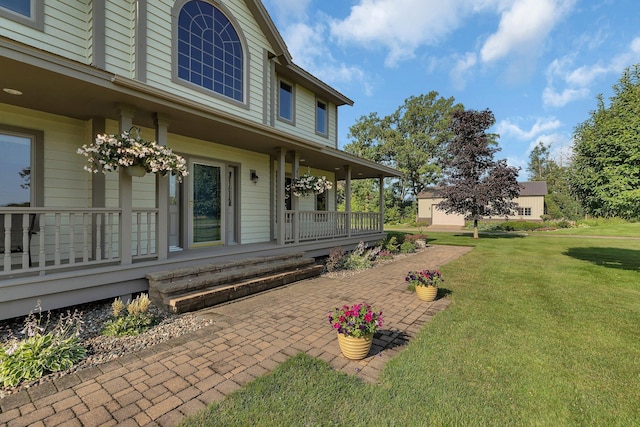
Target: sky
538, 65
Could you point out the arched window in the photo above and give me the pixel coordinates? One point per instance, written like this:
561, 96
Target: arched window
209, 50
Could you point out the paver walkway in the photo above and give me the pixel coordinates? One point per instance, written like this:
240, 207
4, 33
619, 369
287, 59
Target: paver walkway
250, 337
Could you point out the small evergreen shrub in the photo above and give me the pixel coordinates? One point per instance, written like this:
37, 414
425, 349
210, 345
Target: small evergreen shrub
43, 350
132, 318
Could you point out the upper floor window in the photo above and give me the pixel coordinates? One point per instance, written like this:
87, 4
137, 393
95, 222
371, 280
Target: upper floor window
321, 118
209, 50
28, 12
285, 101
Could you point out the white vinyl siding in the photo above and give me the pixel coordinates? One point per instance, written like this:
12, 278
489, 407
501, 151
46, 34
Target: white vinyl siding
120, 37
66, 25
305, 114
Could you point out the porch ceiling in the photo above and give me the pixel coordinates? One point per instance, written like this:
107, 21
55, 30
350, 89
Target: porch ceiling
57, 85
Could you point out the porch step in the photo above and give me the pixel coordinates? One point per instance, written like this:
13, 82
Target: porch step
194, 288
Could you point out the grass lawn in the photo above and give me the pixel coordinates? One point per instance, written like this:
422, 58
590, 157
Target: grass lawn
542, 330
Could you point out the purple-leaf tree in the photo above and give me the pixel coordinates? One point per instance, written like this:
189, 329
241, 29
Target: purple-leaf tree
476, 185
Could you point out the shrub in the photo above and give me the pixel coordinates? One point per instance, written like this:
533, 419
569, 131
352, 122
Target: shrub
415, 237
132, 318
335, 259
407, 247
361, 258
42, 351
392, 245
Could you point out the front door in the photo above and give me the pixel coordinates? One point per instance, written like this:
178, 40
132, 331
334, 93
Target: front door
206, 204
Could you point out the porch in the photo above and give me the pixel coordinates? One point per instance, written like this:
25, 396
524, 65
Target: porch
64, 257
42, 241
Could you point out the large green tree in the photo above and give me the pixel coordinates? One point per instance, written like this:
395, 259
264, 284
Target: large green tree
412, 139
477, 185
560, 203
605, 169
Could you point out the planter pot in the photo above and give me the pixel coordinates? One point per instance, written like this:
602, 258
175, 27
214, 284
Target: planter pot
355, 348
136, 170
426, 293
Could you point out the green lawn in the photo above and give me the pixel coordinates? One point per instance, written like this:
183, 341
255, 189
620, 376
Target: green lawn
542, 331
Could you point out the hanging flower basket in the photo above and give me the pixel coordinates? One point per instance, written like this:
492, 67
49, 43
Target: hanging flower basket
109, 151
308, 184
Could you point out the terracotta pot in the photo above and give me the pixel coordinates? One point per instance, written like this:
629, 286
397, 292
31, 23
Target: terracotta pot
136, 170
426, 293
355, 348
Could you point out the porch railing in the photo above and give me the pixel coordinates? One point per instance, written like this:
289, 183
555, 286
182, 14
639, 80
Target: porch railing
47, 239
303, 226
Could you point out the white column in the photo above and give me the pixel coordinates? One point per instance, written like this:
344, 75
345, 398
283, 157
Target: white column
162, 191
125, 195
381, 198
347, 199
295, 201
280, 193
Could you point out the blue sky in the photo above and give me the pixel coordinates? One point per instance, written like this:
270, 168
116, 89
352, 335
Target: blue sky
538, 65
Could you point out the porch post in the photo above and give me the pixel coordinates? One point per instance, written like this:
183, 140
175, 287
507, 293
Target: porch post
125, 195
162, 192
280, 183
347, 199
381, 198
295, 200
98, 192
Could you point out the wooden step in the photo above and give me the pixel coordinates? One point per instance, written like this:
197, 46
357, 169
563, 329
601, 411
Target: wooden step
220, 294
193, 288
220, 277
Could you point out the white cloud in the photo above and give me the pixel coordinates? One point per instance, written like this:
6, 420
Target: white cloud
560, 99
542, 125
462, 69
309, 50
401, 26
524, 27
286, 10
578, 80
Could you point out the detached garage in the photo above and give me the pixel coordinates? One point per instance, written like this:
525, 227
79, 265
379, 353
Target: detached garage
429, 214
530, 206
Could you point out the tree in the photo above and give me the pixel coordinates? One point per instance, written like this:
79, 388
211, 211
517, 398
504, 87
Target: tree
560, 203
605, 170
476, 184
412, 139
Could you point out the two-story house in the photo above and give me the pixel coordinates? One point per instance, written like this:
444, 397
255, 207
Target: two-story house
212, 80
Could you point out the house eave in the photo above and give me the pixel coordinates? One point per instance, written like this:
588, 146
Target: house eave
57, 85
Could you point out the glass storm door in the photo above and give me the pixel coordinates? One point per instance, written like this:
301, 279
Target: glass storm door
206, 204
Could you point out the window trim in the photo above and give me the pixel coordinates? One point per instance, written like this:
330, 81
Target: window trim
325, 196
326, 118
36, 20
36, 196
293, 97
522, 211
246, 57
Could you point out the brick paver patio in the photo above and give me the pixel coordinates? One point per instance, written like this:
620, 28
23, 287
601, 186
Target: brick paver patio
158, 386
